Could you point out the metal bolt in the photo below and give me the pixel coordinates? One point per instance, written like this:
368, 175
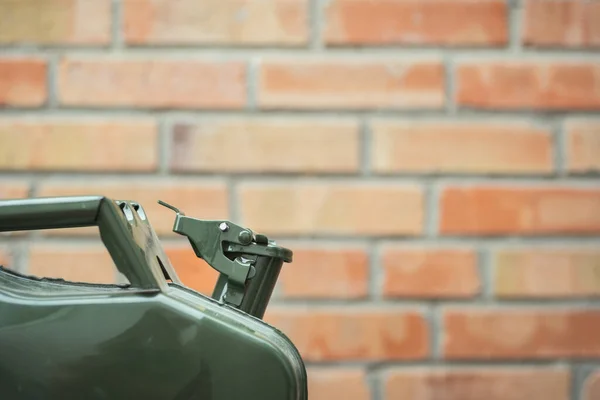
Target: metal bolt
245, 237
223, 227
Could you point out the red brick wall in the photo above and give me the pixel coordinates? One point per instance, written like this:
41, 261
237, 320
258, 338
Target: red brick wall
434, 165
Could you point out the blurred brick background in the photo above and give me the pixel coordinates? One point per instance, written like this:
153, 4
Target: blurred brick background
434, 164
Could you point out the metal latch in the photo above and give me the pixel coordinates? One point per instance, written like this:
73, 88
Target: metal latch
232, 250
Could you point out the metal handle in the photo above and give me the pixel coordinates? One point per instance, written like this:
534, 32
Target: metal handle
114, 219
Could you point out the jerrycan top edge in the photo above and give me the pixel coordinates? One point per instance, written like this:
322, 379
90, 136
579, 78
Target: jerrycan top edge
154, 337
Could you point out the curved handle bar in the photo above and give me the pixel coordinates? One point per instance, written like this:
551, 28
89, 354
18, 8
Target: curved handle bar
116, 221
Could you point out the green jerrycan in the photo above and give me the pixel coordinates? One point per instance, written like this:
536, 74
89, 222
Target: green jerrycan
152, 338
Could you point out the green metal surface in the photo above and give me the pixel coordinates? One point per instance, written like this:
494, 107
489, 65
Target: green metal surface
150, 339
258, 290
248, 264
126, 233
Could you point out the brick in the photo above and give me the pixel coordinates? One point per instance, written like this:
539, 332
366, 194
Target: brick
468, 383
317, 84
6, 259
502, 210
429, 273
347, 334
70, 145
76, 263
16, 190
349, 208
215, 22
22, 82
591, 387
53, 22
343, 383
582, 146
460, 22
340, 272
200, 199
561, 23
156, 84
193, 272
524, 333
529, 85
92, 263
269, 145
547, 273
457, 147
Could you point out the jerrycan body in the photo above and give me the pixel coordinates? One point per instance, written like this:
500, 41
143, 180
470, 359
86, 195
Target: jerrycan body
152, 338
